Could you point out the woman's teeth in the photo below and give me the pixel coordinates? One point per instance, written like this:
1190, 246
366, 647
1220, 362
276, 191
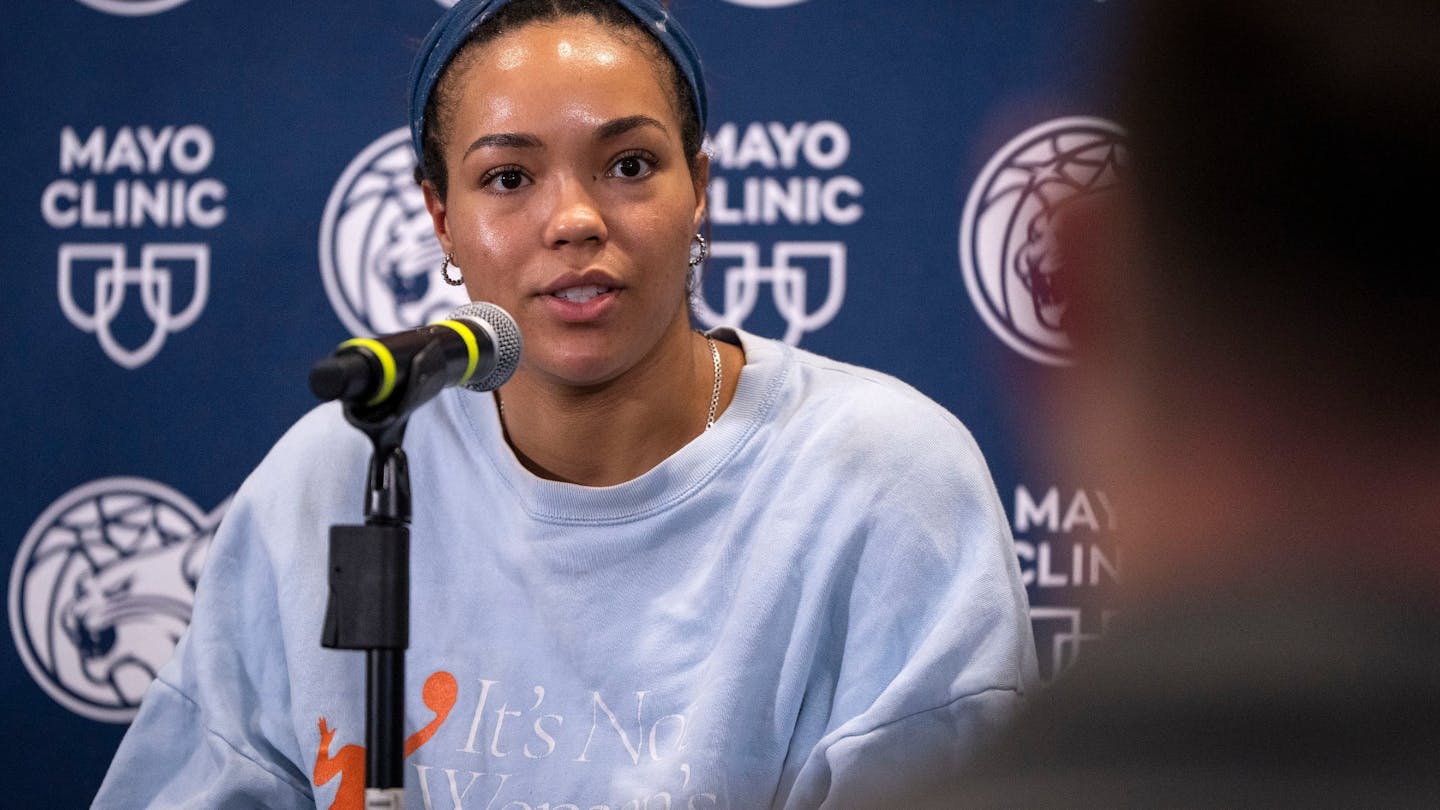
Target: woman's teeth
580, 295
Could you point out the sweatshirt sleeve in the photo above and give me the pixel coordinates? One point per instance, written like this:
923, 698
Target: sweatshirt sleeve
170, 758
938, 651
215, 727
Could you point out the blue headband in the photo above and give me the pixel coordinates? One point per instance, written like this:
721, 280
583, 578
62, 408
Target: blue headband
460, 20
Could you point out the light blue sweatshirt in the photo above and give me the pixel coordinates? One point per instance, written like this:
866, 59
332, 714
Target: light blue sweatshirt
815, 603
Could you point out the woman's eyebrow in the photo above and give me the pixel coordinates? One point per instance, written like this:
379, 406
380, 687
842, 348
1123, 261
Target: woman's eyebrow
506, 140
620, 126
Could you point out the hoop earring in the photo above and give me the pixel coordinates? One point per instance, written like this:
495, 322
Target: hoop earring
445, 271
699, 249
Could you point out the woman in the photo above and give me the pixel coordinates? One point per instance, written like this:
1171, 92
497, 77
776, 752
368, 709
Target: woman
570, 185
657, 568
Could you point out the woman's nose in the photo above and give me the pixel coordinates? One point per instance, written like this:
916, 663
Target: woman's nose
576, 217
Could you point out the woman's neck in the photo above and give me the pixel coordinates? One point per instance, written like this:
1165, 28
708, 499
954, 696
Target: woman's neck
614, 432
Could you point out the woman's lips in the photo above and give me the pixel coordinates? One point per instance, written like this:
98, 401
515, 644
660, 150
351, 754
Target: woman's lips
582, 293
581, 302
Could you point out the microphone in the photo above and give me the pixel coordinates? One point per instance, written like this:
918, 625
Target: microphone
478, 347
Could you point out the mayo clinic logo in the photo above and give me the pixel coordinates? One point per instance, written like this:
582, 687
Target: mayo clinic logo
379, 258
1070, 564
745, 272
133, 295
103, 587
769, 176
1006, 253
153, 281
133, 8
1061, 635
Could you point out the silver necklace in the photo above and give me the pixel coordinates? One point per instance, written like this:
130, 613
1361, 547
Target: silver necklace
714, 392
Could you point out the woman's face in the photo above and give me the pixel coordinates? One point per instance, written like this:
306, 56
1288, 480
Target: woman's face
571, 202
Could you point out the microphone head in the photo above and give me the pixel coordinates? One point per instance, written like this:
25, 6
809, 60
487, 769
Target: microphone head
504, 337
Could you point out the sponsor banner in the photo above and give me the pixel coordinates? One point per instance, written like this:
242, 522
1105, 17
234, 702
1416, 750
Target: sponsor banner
1070, 564
771, 177
207, 196
120, 187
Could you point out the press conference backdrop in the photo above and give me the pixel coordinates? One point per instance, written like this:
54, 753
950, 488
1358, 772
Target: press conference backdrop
204, 197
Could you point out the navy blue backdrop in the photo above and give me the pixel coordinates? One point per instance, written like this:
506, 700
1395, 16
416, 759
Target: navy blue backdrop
205, 197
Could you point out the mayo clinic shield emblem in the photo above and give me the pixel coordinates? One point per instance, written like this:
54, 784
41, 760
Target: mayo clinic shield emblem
1060, 634
1006, 254
799, 274
379, 257
94, 280
102, 588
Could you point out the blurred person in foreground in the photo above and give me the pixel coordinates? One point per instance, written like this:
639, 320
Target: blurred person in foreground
1258, 392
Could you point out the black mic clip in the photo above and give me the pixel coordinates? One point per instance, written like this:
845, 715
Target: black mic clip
369, 565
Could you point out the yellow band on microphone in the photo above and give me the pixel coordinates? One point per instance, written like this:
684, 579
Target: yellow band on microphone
387, 365
471, 349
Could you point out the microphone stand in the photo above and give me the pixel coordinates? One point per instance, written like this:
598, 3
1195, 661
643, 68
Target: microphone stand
369, 604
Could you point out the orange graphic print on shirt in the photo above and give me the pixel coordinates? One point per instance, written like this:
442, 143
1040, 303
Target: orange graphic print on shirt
438, 695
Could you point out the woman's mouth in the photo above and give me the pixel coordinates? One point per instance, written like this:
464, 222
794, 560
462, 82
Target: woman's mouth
582, 300
582, 293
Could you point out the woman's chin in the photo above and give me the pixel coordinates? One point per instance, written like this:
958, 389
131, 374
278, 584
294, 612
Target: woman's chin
574, 370
580, 357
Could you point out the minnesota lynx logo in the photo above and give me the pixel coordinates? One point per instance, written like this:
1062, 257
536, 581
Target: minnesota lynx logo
102, 589
766, 3
133, 8
1011, 270
378, 255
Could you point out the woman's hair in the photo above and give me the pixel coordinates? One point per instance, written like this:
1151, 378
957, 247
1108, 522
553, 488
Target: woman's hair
440, 107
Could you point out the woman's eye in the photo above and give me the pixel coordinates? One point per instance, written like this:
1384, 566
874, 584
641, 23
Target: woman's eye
505, 179
632, 167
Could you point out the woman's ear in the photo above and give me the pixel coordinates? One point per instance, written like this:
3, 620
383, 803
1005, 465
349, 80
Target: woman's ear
436, 206
701, 177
